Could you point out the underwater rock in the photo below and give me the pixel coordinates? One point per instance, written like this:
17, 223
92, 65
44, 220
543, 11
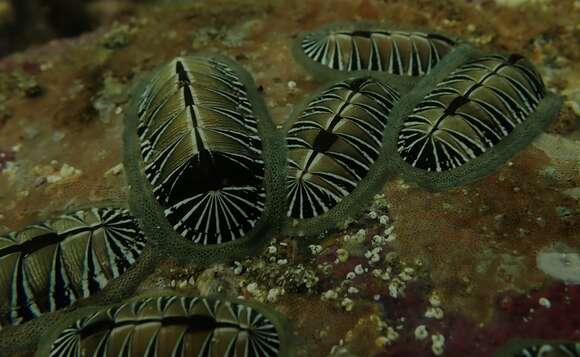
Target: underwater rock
453, 233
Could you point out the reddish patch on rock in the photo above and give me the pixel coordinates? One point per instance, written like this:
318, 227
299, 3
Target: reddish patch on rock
6, 157
516, 316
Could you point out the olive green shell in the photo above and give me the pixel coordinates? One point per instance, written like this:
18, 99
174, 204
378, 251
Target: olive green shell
92, 256
334, 145
345, 49
47, 267
463, 121
204, 161
172, 325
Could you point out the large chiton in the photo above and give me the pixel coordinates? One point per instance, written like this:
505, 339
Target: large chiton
174, 326
476, 118
47, 267
199, 127
334, 143
371, 47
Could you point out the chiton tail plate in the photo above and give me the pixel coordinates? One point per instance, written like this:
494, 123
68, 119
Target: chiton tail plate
344, 48
476, 118
201, 137
174, 326
47, 267
333, 146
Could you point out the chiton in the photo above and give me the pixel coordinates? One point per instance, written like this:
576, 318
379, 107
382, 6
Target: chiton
201, 150
47, 267
539, 348
334, 142
360, 47
545, 350
173, 326
470, 112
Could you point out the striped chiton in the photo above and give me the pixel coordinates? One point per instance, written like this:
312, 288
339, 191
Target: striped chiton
334, 142
47, 267
173, 326
202, 154
569, 349
539, 348
470, 113
372, 48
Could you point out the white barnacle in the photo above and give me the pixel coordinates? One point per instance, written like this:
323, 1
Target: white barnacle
315, 249
545, 302
384, 220
342, 255
394, 290
352, 290
347, 304
378, 240
437, 344
434, 313
238, 268
435, 300
252, 288
274, 294
329, 295
421, 332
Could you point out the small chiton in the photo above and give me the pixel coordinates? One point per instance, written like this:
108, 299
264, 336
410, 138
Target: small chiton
372, 48
539, 348
47, 267
334, 142
471, 112
201, 150
173, 326
557, 349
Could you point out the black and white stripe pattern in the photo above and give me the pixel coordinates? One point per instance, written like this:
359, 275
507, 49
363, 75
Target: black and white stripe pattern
201, 149
334, 143
394, 52
470, 112
550, 350
47, 267
171, 326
